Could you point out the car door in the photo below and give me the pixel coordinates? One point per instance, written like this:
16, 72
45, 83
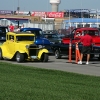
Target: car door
11, 44
64, 48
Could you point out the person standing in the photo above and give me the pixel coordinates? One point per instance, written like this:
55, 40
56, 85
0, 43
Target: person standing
11, 28
87, 42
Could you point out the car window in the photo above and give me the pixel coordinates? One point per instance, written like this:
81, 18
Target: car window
7, 30
36, 32
28, 31
25, 38
54, 36
51, 36
3, 30
11, 37
73, 32
94, 33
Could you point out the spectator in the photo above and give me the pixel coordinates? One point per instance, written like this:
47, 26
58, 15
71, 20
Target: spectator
11, 28
22, 26
17, 29
12, 38
87, 42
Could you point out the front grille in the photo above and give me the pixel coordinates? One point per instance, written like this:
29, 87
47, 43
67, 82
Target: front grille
33, 52
96, 50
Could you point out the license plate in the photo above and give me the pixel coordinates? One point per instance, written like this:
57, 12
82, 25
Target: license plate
33, 57
97, 55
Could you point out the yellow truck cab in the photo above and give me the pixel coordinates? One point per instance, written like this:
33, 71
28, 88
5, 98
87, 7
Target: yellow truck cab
20, 46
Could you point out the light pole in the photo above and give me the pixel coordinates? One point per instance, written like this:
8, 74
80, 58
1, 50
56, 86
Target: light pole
81, 12
17, 22
18, 8
13, 6
69, 22
97, 17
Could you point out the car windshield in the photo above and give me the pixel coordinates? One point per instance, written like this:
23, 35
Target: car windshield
94, 33
51, 36
91, 32
36, 32
25, 38
3, 30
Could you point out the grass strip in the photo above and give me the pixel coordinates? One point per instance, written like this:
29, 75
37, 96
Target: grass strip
19, 82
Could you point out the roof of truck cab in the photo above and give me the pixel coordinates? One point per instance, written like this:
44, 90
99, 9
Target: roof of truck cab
30, 29
86, 28
20, 33
3, 27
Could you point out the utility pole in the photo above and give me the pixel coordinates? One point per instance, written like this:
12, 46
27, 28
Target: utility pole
69, 21
97, 17
81, 11
18, 8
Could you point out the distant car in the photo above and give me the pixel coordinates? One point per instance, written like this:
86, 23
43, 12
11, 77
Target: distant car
61, 35
40, 40
53, 38
36, 31
3, 31
51, 31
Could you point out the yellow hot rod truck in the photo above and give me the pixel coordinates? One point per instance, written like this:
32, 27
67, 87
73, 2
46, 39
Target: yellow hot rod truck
20, 46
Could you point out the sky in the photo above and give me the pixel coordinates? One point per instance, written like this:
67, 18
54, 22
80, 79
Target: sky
44, 5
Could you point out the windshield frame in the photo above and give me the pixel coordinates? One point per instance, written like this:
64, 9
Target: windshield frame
25, 39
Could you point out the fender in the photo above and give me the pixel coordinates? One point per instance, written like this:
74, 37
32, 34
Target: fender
5, 52
41, 51
20, 51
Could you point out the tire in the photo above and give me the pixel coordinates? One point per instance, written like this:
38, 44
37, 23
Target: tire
44, 57
57, 54
1, 57
20, 57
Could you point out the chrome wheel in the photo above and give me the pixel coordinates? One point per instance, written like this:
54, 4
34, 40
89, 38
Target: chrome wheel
57, 54
20, 57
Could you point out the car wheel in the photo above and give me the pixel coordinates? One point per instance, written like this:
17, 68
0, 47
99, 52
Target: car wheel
20, 57
1, 58
57, 54
44, 57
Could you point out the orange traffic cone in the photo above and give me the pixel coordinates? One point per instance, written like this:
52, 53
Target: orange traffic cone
70, 52
77, 53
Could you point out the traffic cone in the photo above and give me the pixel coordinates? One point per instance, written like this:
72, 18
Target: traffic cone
70, 52
77, 53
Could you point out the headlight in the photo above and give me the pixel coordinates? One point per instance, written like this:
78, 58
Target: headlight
40, 46
59, 41
27, 46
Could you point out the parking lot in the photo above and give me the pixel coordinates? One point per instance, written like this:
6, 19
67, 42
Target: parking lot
62, 64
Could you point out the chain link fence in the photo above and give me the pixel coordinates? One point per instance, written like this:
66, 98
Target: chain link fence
43, 25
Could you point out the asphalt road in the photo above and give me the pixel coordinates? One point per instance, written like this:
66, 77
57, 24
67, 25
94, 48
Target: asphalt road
62, 64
